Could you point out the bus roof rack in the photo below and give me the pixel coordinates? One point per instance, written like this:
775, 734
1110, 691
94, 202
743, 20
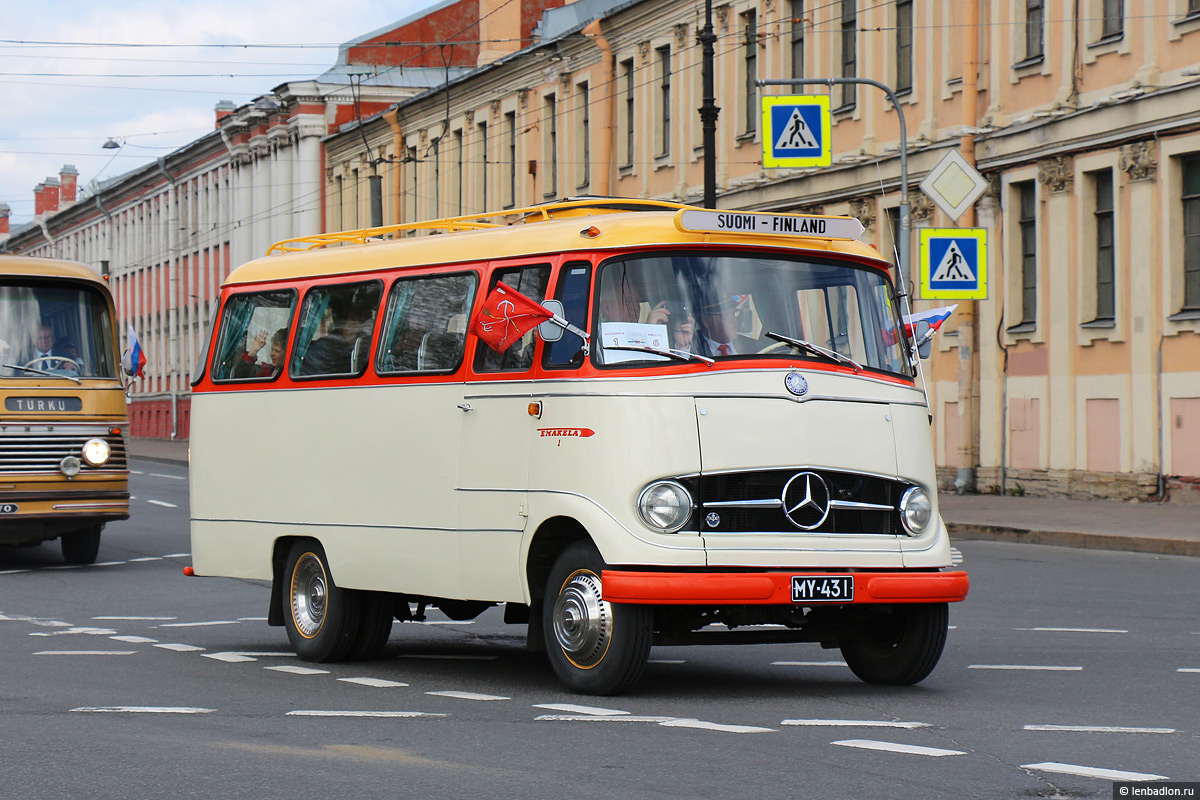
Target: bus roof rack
568, 207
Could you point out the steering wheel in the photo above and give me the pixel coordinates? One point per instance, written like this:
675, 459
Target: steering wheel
771, 348
74, 365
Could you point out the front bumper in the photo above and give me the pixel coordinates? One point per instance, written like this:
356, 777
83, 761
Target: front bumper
775, 588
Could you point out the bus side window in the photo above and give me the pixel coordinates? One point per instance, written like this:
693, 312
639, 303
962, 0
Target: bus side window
574, 288
531, 281
334, 335
253, 336
425, 326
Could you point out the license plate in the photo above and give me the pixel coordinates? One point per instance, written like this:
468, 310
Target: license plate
822, 588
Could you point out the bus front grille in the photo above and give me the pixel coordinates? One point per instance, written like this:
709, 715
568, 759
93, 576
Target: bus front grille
24, 453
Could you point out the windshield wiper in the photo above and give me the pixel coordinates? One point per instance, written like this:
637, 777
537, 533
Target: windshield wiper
815, 349
42, 372
682, 355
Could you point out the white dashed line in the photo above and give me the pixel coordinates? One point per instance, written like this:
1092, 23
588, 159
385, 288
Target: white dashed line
1095, 729
180, 648
853, 723
137, 619
145, 558
446, 622
808, 663
198, 624
1025, 667
574, 709
665, 661
451, 657
161, 503
1074, 630
14, 571
893, 747
143, 710
1093, 772
362, 714
108, 564
299, 670
252, 619
228, 658
714, 726
172, 477
73, 631
1188, 669
134, 639
378, 683
178, 555
592, 718
469, 696
86, 653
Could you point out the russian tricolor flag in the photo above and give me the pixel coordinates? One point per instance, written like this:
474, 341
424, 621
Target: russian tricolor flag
934, 316
133, 360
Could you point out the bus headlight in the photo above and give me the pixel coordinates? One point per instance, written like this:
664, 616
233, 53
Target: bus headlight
96, 452
665, 506
915, 510
69, 466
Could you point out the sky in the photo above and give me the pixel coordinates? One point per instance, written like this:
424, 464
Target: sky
66, 87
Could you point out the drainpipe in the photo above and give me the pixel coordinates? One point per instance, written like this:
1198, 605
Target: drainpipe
392, 118
968, 430
603, 177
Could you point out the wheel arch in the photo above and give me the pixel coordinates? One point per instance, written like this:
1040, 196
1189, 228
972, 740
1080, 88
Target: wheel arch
279, 554
552, 537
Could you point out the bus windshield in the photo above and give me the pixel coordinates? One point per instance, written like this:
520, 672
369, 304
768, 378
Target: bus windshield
692, 305
54, 329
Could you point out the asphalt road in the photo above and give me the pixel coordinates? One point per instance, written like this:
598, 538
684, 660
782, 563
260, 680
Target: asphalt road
1063, 670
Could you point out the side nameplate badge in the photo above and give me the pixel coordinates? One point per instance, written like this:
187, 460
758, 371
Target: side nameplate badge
9, 508
796, 384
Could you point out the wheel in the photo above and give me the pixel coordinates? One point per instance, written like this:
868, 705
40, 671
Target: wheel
374, 626
594, 646
81, 547
899, 648
321, 619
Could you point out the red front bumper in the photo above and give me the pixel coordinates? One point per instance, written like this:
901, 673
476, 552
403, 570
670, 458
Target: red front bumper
775, 588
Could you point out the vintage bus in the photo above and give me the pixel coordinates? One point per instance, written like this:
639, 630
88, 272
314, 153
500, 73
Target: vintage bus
63, 471
728, 443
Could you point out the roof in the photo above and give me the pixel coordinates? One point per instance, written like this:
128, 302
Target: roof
543, 231
46, 268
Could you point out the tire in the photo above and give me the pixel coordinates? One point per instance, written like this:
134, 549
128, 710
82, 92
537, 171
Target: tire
594, 646
899, 648
81, 547
322, 621
374, 626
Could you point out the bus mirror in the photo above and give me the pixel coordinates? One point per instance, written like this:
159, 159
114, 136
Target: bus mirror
551, 331
924, 338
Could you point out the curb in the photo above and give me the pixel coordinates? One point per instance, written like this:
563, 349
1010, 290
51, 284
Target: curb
1085, 541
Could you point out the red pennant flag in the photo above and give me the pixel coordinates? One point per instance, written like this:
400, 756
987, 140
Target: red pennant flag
506, 316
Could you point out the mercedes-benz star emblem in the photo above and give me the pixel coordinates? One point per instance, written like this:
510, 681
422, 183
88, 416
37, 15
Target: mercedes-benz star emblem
806, 500
795, 383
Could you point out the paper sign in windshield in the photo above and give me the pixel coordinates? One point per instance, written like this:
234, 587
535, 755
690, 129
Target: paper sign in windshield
632, 334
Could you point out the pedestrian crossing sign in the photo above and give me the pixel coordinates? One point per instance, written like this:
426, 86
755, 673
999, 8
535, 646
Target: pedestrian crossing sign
953, 263
796, 131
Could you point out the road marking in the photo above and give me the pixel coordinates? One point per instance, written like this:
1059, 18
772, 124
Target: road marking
137, 619
378, 683
1025, 667
144, 710
229, 658
1188, 669
252, 619
574, 709
892, 747
161, 503
469, 696
135, 472
854, 723
198, 624
714, 726
1093, 772
451, 657
180, 648
1096, 729
14, 571
299, 670
1074, 630
591, 718
70, 631
68, 566
108, 563
808, 663
446, 622
86, 653
665, 661
178, 555
172, 477
145, 558
363, 714
134, 639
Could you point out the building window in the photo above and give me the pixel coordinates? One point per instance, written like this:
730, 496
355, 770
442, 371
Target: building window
627, 92
1105, 272
1027, 224
510, 137
849, 51
1035, 11
904, 45
750, 65
1191, 234
481, 183
797, 39
585, 137
1193, 7
1113, 19
664, 101
550, 145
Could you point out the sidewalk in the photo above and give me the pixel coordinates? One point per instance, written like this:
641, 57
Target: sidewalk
1091, 524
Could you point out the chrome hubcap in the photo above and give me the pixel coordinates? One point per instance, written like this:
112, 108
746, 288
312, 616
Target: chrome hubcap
583, 622
308, 595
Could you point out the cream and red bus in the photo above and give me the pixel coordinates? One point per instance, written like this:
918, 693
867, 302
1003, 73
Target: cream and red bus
727, 443
63, 471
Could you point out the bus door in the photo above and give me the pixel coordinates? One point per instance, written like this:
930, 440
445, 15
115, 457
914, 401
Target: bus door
493, 464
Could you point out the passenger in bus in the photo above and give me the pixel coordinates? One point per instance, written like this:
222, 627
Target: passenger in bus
682, 326
719, 330
621, 302
248, 366
342, 350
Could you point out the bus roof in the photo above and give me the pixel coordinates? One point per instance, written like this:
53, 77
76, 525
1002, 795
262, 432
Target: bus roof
568, 226
47, 268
